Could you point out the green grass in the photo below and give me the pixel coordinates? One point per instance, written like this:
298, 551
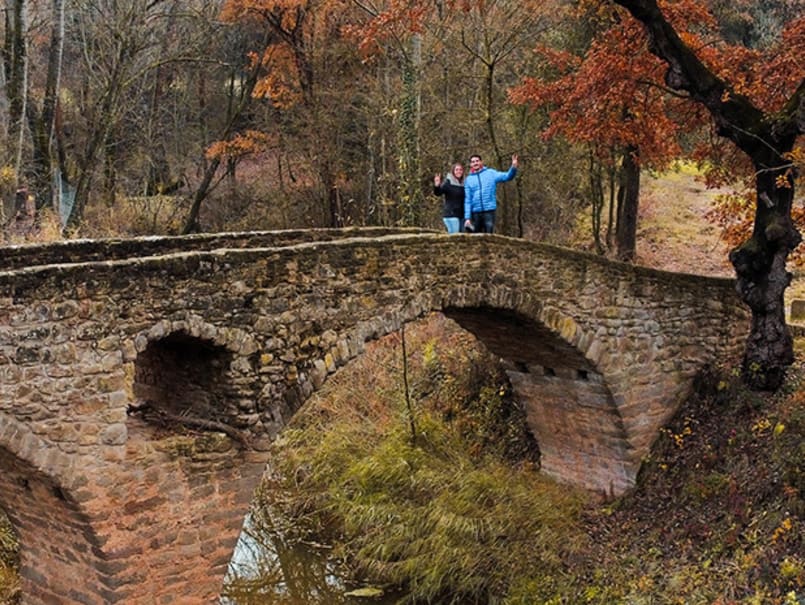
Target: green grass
459, 514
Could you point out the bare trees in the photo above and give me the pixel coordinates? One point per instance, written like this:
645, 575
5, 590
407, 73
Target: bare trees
15, 67
113, 69
264, 103
497, 36
449, 65
128, 52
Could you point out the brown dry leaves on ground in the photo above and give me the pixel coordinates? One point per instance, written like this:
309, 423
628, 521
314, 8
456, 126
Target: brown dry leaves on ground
673, 233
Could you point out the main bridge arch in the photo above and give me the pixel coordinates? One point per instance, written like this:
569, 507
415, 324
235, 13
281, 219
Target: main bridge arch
568, 402
191, 374
599, 353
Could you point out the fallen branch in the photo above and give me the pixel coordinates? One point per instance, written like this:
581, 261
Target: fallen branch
155, 415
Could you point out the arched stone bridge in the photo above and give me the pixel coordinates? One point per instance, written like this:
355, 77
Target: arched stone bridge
236, 330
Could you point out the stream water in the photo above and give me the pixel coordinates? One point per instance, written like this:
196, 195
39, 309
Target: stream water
270, 567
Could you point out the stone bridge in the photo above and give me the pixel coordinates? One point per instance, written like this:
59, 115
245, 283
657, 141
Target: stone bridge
233, 332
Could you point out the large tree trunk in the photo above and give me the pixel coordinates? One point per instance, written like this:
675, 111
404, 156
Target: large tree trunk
762, 279
410, 187
628, 201
766, 138
16, 62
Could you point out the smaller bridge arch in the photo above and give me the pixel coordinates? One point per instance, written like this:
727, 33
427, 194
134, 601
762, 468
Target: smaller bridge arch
181, 373
53, 532
189, 369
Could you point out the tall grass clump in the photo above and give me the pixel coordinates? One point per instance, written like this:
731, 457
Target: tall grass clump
458, 515
9, 549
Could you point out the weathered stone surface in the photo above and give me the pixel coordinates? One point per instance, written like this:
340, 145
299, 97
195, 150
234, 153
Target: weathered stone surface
798, 310
142, 380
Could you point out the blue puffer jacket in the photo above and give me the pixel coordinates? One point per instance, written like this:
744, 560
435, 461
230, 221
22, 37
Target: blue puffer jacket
479, 189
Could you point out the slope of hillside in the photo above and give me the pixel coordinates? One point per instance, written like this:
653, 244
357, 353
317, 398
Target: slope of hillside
673, 231
674, 234
721, 500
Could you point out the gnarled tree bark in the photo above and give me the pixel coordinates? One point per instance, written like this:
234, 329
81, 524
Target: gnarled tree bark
760, 262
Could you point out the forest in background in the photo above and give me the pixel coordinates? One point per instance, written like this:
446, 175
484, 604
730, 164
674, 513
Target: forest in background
160, 116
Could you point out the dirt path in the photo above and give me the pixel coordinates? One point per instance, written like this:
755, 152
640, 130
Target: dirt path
673, 233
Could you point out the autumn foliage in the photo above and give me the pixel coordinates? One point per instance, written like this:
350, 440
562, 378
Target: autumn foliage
240, 145
611, 94
768, 77
396, 21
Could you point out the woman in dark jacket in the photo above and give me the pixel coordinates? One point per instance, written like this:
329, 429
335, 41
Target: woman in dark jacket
452, 188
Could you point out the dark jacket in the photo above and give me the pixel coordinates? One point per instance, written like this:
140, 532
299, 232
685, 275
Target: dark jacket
453, 197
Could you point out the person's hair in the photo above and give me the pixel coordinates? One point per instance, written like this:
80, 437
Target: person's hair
475, 155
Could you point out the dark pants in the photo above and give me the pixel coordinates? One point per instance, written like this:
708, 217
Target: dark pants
484, 222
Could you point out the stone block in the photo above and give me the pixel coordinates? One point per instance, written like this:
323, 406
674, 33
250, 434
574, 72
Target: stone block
798, 310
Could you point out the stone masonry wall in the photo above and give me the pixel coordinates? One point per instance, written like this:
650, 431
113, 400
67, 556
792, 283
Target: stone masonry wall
159, 507
87, 250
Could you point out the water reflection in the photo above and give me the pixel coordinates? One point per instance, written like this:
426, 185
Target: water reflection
272, 566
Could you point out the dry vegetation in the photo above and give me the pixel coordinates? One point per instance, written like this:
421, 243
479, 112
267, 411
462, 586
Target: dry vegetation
9, 582
717, 518
673, 233
459, 514
719, 513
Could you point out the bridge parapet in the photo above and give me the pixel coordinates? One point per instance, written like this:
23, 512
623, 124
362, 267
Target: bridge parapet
105, 364
88, 250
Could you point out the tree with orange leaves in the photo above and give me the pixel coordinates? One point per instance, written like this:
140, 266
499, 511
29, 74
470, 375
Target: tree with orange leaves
611, 98
619, 96
756, 101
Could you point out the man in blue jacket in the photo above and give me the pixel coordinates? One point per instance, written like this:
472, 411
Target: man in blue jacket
480, 199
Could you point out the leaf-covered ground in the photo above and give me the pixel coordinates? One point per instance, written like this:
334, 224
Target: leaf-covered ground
674, 234
719, 513
673, 231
